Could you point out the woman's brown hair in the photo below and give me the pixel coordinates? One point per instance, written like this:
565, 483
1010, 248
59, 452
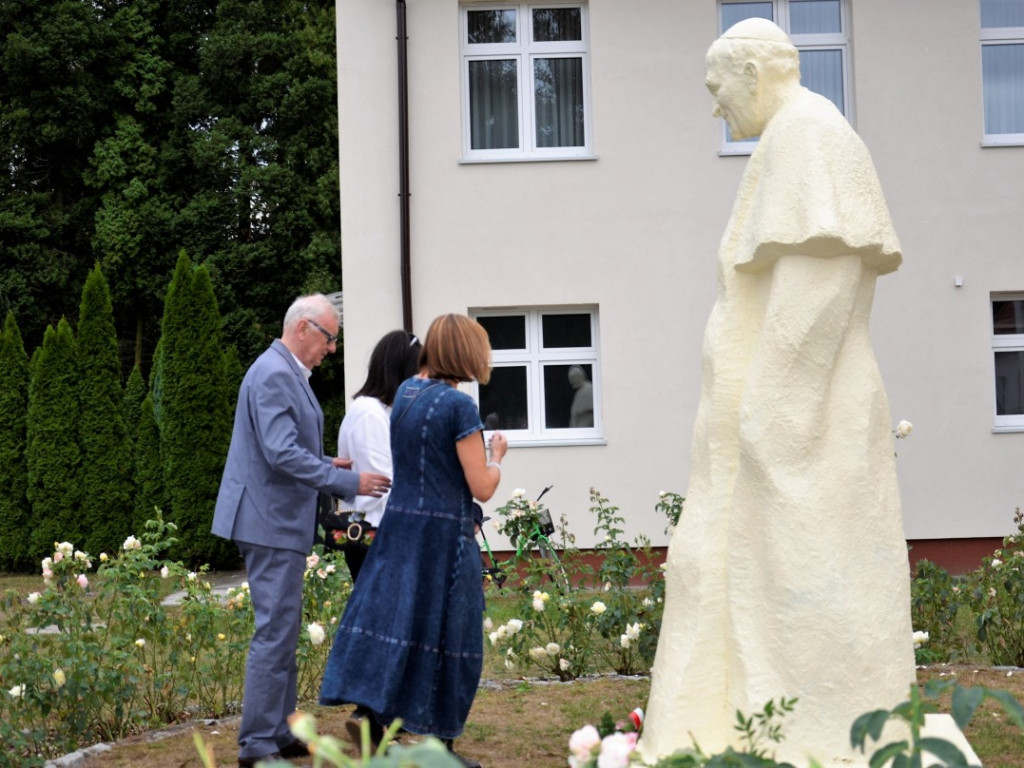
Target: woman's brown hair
456, 349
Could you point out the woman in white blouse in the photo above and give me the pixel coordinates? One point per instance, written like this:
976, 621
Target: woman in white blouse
365, 436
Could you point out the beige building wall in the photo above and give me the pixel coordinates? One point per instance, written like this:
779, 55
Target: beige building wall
635, 231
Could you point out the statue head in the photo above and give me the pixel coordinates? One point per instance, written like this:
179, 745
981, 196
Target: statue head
750, 71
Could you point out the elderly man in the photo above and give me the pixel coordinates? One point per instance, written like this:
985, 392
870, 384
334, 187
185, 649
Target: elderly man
273, 480
787, 575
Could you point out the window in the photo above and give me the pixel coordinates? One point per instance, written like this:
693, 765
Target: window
818, 29
1002, 70
525, 82
1008, 353
545, 382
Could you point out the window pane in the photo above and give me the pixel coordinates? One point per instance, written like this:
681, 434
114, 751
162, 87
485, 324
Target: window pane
822, 72
1008, 316
734, 12
568, 396
1002, 72
505, 332
1009, 383
812, 17
503, 400
491, 26
556, 24
1002, 13
558, 86
565, 331
494, 104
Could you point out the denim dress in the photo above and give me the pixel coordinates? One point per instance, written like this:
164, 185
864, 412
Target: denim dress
410, 642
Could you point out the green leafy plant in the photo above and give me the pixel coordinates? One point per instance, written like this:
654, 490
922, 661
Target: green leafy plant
997, 599
909, 753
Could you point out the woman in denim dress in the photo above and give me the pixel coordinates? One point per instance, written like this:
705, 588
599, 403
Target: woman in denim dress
410, 643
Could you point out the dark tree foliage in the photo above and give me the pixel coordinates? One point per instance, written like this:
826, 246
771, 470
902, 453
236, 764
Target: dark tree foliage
149, 470
14, 507
195, 423
106, 471
130, 131
134, 393
52, 454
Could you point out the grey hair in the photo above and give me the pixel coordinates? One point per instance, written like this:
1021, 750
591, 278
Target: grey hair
308, 308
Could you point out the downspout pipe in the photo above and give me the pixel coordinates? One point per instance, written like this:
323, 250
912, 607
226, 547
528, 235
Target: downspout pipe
403, 162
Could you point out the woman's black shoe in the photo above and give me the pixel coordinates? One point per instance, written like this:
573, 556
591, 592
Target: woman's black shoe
467, 762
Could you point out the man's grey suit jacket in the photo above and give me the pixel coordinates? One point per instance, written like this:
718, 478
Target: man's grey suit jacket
276, 469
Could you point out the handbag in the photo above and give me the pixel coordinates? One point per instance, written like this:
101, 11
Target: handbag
343, 527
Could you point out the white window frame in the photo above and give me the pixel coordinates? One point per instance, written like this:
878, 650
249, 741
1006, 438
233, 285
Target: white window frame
1005, 342
1000, 36
824, 42
534, 358
524, 50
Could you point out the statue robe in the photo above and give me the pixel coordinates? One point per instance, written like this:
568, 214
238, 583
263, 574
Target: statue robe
788, 572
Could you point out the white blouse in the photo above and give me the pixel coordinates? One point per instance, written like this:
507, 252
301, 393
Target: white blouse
365, 437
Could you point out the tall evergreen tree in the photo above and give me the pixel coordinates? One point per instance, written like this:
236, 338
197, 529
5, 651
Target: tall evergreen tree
194, 419
106, 471
52, 454
134, 393
149, 471
14, 507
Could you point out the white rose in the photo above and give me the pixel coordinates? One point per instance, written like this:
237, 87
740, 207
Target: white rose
616, 750
316, 633
65, 548
141, 642
563, 664
552, 649
583, 741
624, 641
59, 677
920, 638
538, 605
518, 493
131, 543
17, 691
494, 637
514, 625
33, 598
598, 607
538, 653
904, 428
633, 630
488, 624
165, 572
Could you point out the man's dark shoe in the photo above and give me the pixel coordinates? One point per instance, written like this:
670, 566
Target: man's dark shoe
249, 762
295, 749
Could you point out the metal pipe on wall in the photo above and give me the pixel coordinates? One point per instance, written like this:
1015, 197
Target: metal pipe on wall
403, 163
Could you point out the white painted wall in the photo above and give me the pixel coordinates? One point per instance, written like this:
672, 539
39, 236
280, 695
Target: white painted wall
645, 218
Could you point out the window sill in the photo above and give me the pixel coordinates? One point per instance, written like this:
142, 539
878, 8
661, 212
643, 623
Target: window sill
1009, 140
481, 160
538, 442
1004, 428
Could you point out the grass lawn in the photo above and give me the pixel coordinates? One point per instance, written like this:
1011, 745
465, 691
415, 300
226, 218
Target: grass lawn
526, 724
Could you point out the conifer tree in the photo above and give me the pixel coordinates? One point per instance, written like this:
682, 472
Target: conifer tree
149, 471
52, 454
194, 421
134, 393
106, 470
14, 507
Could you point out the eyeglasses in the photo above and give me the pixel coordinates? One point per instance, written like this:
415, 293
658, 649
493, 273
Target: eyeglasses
332, 338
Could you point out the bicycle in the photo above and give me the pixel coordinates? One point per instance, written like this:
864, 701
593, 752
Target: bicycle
537, 535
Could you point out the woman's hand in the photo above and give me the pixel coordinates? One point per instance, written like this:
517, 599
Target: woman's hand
498, 446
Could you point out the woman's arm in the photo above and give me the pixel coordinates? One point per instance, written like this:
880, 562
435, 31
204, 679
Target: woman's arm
482, 475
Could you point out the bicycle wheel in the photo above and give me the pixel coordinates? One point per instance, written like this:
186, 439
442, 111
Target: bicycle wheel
555, 569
